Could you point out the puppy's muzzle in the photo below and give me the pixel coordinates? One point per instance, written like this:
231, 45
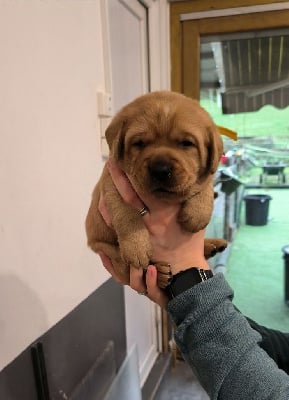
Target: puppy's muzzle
161, 172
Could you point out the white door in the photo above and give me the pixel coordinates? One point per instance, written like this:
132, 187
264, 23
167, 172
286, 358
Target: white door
130, 78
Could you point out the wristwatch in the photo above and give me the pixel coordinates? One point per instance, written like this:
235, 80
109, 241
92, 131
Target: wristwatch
184, 280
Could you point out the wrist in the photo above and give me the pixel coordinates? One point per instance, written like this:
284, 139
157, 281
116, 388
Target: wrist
186, 279
183, 265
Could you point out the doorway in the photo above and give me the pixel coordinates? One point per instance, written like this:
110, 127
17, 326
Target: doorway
129, 45
233, 57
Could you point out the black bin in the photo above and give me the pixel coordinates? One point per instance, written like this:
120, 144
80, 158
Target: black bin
257, 209
285, 250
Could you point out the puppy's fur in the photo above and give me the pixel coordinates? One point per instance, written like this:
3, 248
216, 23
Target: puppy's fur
170, 148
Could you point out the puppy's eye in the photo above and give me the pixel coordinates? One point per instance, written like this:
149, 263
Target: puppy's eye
140, 144
186, 143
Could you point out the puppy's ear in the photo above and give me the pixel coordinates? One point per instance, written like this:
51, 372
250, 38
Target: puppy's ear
215, 149
115, 137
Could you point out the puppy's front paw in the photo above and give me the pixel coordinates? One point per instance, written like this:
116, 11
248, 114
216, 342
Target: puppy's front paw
193, 226
136, 253
164, 274
193, 220
214, 246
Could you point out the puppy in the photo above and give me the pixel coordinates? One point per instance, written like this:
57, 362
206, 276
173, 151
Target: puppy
170, 148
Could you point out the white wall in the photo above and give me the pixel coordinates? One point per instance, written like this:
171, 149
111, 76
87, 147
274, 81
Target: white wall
51, 68
53, 62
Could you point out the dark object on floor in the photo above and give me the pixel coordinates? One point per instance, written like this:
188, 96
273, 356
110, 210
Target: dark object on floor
257, 209
285, 250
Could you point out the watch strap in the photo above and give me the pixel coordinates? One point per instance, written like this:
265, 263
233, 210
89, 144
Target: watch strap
185, 280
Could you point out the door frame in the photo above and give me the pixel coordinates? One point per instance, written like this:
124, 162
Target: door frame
192, 19
154, 75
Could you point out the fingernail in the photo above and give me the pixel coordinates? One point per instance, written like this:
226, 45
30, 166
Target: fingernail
150, 270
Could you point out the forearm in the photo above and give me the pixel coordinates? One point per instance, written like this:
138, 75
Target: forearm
221, 348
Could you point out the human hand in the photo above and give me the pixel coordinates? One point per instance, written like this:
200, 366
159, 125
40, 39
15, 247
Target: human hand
181, 249
147, 285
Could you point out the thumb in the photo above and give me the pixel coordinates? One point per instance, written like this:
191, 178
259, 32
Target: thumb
154, 292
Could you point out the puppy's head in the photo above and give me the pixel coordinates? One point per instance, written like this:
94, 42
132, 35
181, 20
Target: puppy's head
166, 143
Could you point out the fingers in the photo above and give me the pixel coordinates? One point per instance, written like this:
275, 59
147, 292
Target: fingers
148, 285
154, 292
136, 280
124, 186
126, 191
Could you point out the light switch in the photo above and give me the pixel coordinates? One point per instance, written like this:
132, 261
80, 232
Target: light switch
104, 103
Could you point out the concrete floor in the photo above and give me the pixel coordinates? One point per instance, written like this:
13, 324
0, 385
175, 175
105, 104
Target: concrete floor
181, 384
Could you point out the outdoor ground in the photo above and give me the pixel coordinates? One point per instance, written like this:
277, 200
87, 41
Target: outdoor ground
255, 267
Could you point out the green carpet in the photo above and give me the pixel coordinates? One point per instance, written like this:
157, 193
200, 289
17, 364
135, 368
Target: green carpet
255, 268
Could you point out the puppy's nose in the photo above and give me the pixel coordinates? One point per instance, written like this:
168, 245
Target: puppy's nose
161, 171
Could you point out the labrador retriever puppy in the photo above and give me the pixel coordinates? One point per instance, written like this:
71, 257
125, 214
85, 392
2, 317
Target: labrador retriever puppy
170, 148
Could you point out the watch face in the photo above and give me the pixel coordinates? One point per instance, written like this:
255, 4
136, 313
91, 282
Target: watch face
187, 279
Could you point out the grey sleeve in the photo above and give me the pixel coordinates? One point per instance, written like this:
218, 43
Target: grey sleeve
222, 348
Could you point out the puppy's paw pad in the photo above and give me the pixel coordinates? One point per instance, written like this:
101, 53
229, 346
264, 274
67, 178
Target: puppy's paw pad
221, 248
